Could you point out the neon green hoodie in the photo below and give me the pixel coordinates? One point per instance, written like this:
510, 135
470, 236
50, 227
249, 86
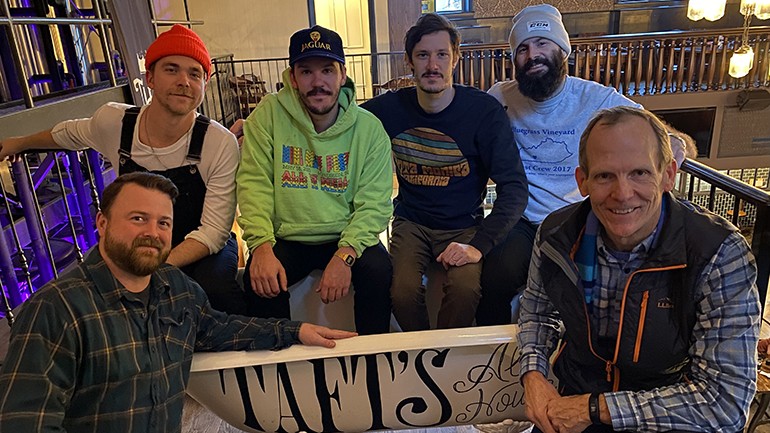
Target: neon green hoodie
299, 185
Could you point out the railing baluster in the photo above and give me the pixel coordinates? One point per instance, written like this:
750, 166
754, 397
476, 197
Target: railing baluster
34, 219
493, 64
630, 53
691, 188
460, 71
722, 65
598, 63
68, 211
607, 52
712, 198
650, 79
690, 78
23, 262
702, 65
587, 69
7, 306
765, 76
659, 73
482, 71
752, 79
577, 54
680, 66
640, 54
619, 49
471, 69
96, 178
76, 176
671, 52
8, 271
712, 68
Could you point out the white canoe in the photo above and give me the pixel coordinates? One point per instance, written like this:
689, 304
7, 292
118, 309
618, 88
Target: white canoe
382, 382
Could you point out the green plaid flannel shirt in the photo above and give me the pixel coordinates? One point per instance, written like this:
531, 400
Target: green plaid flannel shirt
84, 358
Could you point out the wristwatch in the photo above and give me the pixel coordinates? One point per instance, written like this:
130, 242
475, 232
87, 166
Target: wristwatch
349, 259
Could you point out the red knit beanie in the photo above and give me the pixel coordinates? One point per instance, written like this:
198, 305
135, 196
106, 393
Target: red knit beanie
179, 41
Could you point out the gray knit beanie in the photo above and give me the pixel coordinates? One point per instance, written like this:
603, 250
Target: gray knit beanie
542, 21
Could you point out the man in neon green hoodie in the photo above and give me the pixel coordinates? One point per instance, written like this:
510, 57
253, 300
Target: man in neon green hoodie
314, 188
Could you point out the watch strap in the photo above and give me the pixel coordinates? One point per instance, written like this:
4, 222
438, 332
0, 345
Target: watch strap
348, 259
593, 408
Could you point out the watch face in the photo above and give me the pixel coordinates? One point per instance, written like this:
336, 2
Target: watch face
349, 260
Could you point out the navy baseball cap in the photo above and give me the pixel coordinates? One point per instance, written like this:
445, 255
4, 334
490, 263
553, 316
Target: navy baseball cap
316, 41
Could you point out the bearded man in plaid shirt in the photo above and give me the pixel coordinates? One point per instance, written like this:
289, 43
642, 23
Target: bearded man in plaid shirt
108, 346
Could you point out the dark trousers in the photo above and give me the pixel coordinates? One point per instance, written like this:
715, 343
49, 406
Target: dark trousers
217, 274
413, 248
505, 274
371, 277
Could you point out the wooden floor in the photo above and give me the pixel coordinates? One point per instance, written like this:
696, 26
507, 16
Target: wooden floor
198, 419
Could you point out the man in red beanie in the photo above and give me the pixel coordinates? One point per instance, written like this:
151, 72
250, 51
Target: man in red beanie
168, 137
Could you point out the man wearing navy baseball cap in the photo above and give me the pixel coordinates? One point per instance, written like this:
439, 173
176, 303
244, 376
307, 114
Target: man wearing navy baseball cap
308, 151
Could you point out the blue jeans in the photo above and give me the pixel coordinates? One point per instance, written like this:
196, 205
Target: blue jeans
217, 274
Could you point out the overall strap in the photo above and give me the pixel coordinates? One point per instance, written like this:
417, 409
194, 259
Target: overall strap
196, 140
127, 132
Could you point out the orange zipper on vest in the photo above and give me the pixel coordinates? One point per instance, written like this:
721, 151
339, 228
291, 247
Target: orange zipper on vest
640, 329
623, 302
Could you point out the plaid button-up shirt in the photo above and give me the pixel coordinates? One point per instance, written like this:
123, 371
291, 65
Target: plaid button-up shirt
84, 357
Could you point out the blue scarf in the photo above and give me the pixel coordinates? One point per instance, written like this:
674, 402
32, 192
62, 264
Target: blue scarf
585, 257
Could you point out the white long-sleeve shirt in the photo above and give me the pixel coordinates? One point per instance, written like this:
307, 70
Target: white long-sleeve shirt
219, 162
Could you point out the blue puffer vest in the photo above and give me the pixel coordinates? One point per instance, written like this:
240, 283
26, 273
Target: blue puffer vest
658, 307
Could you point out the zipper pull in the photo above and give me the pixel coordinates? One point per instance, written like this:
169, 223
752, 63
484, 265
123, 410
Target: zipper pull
609, 371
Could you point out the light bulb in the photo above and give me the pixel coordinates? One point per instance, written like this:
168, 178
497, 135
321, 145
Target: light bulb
741, 62
762, 9
695, 10
714, 9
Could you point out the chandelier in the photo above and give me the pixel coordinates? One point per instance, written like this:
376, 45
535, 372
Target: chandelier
743, 58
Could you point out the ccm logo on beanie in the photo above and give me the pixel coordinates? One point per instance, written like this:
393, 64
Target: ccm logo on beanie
538, 26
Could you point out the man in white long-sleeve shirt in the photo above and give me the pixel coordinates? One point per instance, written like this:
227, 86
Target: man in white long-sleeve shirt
169, 138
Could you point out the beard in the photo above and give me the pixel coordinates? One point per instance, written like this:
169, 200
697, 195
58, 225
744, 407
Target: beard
131, 259
542, 87
434, 89
322, 109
